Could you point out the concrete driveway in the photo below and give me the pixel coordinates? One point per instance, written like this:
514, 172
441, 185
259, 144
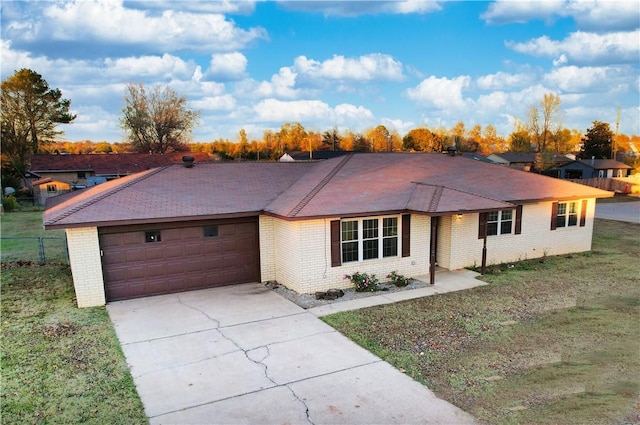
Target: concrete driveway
244, 355
620, 211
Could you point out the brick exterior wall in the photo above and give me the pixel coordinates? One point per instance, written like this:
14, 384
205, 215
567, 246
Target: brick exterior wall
303, 255
86, 266
535, 241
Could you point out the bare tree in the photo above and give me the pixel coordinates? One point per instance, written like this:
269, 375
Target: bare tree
543, 129
157, 121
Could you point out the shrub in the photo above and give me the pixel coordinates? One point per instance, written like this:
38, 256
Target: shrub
9, 203
398, 279
362, 282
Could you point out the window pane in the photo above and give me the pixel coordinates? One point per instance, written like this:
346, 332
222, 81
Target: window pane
390, 227
349, 230
505, 227
562, 209
492, 229
573, 219
492, 216
370, 229
572, 208
561, 221
349, 251
507, 215
370, 249
390, 247
210, 231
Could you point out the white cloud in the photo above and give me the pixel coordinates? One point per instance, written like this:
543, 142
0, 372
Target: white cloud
443, 93
374, 66
509, 11
215, 103
109, 20
271, 110
572, 79
228, 65
312, 112
591, 15
359, 8
226, 6
586, 48
281, 85
145, 67
503, 80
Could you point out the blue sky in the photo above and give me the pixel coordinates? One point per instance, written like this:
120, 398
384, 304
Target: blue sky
350, 64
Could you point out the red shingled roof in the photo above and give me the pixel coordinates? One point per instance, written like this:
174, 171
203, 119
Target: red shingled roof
121, 164
354, 185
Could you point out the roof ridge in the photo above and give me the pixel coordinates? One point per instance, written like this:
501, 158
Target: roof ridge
435, 199
309, 196
107, 194
442, 187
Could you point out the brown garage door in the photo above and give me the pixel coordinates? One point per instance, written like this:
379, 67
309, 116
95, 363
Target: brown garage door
161, 259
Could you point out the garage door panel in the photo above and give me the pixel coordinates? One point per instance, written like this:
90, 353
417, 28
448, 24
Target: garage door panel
186, 258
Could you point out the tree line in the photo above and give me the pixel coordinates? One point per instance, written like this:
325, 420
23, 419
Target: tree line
158, 120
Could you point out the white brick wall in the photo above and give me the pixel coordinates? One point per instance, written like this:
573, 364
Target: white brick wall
267, 248
536, 240
86, 266
303, 256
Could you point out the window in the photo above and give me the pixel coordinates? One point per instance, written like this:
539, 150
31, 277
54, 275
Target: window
600, 173
82, 174
52, 188
499, 222
210, 231
390, 237
152, 236
349, 241
367, 239
567, 214
619, 174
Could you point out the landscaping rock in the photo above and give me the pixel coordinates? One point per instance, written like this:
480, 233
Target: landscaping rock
337, 292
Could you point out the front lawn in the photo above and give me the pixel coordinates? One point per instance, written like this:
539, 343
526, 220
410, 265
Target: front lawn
60, 364
553, 342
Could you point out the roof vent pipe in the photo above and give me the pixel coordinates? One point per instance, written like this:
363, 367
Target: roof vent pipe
187, 160
593, 160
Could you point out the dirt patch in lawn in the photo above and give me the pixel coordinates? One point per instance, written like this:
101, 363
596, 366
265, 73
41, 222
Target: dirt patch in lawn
553, 342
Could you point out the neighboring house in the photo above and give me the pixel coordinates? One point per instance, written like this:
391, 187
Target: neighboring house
311, 156
77, 169
476, 156
592, 168
307, 224
46, 188
528, 161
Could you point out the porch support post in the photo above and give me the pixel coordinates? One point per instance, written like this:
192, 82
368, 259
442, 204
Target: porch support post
432, 249
484, 251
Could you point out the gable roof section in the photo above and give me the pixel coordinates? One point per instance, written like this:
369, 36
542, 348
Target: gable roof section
109, 164
353, 185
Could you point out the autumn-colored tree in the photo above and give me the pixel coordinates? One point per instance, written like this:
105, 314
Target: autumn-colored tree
291, 137
520, 138
379, 138
543, 122
422, 139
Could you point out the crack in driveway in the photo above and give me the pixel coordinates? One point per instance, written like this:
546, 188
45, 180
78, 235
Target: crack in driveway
259, 360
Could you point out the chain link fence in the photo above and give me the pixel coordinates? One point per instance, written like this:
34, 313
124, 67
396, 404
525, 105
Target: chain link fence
49, 249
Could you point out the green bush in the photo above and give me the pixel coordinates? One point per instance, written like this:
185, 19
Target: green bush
398, 279
9, 203
362, 282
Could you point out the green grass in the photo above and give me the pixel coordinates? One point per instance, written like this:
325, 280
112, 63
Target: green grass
27, 227
60, 364
556, 342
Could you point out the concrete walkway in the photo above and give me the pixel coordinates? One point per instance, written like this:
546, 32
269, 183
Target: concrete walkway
245, 355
